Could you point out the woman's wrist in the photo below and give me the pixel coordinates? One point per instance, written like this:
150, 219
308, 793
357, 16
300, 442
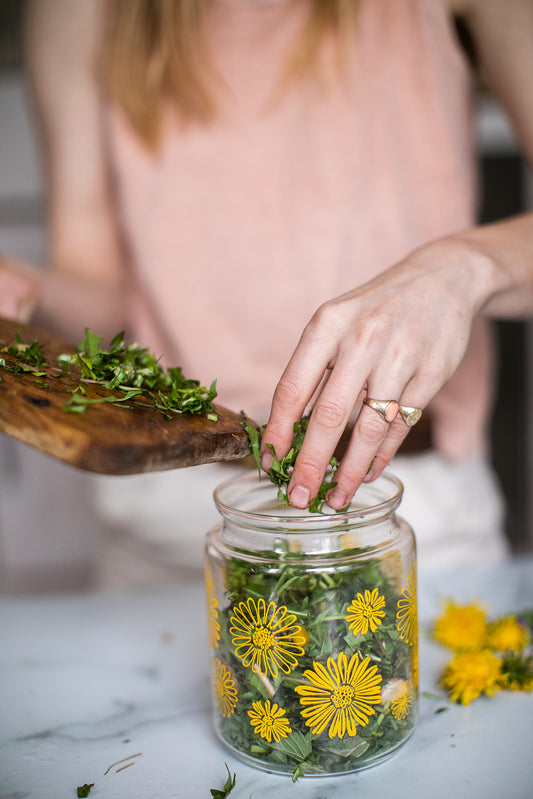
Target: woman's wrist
472, 269
499, 261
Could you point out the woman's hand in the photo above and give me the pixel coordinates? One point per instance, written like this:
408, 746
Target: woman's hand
398, 337
19, 294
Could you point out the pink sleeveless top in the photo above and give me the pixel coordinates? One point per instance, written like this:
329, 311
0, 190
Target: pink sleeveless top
237, 231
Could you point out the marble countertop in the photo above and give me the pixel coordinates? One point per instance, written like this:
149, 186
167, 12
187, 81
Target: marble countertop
113, 689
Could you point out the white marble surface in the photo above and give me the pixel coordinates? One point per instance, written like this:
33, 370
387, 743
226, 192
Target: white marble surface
89, 680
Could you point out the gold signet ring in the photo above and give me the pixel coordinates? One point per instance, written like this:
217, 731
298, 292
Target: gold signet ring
387, 409
410, 415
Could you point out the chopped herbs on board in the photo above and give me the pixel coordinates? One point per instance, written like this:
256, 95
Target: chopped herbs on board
132, 372
84, 790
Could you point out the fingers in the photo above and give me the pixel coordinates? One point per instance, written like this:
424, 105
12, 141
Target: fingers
396, 435
18, 293
376, 436
374, 442
305, 376
328, 421
381, 339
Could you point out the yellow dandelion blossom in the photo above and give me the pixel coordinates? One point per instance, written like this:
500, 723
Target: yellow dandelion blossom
415, 665
403, 700
269, 721
366, 611
461, 627
407, 616
525, 685
340, 695
266, 637
470, 674
517, 668
224, 688
507, 635
213, 624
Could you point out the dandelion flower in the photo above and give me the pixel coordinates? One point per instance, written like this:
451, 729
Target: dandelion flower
461, 627
507, 635
340, 695
269, 721
470, 674
366, 611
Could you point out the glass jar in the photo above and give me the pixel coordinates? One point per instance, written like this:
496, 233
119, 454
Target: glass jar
312, 628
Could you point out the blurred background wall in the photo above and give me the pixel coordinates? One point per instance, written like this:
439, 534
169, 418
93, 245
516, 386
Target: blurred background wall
48, 532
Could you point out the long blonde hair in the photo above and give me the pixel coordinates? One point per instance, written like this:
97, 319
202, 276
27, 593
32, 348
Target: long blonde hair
171, 59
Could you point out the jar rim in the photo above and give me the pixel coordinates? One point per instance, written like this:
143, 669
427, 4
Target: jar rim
357, 510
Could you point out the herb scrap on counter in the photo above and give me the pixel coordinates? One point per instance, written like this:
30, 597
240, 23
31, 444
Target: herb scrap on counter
126, 368
229, 785
281, 470
84, 790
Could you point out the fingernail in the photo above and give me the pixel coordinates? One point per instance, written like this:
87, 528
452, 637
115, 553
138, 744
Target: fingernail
267, 459
337, 500
299, 496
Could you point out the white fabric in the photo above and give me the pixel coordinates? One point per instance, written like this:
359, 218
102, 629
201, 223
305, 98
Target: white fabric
455, 508
159, 520
157, 523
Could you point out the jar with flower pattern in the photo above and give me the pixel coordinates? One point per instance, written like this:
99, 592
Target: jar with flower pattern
312, 623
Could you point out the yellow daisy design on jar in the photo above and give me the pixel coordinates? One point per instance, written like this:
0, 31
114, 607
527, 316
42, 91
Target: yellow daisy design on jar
415, 665
403, 700
224, 688
407, 616
266, 637
366, 611
340, 695
213, 624
269, 721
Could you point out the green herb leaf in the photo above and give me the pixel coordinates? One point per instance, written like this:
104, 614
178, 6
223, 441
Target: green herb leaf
254, 437
297, 745
84, 790
281, 470
229, 785
298, 772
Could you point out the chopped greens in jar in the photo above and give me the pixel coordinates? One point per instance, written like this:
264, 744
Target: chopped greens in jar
314, 664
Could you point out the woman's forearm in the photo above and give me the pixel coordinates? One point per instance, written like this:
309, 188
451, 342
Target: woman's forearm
504, 253
70, 303
60, 300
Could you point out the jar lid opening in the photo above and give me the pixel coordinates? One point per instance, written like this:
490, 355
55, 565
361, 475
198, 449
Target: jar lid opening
255, 499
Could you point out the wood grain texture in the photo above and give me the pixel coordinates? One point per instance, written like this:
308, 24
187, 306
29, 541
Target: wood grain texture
107, 438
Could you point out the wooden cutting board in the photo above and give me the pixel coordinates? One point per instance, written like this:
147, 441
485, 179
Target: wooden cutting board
106, 438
